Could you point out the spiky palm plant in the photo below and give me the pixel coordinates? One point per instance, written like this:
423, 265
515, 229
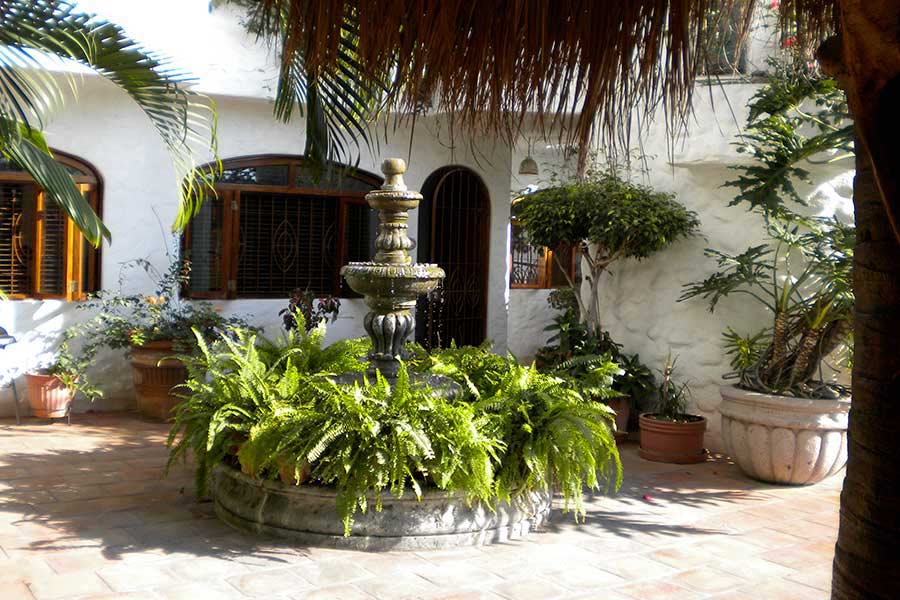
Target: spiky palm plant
338, 104
35, 31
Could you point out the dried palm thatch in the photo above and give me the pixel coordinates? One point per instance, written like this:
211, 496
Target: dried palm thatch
583, 65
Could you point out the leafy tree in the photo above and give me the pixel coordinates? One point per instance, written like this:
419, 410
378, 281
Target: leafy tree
33, 30
607, 219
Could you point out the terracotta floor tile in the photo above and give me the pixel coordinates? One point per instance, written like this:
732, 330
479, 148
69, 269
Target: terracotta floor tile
69, 585
708, 580
658, 590
88, 499
262, 584
529, 589
335, 592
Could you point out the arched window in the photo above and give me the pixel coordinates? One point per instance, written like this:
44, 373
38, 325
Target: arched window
42, 253
278, 225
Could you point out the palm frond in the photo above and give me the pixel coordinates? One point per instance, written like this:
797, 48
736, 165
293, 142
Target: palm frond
184, 120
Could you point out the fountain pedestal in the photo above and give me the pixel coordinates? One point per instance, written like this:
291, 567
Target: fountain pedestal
390, 283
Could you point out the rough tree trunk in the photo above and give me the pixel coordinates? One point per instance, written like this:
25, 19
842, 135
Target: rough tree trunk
866, 61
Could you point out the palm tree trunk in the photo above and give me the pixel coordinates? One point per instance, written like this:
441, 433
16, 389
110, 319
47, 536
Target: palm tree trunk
867, 556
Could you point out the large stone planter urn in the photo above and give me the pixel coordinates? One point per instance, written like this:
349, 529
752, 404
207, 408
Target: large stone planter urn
307, 514
787, 440
155, 372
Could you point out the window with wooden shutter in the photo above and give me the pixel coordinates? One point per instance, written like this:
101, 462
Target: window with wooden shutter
42, 253
276, 225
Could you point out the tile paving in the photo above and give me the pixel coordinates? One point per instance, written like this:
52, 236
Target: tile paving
85, 513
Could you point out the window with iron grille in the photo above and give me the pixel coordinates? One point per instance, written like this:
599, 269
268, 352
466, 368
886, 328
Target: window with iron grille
277, 225
533, 267
42, 253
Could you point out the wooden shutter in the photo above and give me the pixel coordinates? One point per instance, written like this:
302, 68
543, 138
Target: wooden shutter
205, 241
52, 260
16, 239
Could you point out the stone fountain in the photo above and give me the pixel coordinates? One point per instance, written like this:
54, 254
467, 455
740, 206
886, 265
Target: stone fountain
391, 282
307, 514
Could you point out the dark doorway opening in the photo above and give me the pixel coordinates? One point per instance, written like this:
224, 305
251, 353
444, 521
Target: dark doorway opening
454, 232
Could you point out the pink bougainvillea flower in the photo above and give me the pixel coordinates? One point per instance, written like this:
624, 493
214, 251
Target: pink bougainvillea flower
790, 42
648, 497
774, 5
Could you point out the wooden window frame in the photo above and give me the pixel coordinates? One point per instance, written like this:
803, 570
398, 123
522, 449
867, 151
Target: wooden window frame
230, 195
79, 281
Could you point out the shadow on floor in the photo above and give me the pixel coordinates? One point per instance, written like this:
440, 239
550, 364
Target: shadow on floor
99, 484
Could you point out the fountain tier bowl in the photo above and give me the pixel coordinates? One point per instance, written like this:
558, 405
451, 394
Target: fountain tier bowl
386, 281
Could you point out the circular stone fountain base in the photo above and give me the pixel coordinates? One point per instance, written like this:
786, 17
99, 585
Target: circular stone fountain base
308, 515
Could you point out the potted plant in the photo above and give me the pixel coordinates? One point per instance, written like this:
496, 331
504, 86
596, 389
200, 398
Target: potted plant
671, 434
319, 459
573, 352
607, 219
153, 330
51, 389
785, 418
784, 421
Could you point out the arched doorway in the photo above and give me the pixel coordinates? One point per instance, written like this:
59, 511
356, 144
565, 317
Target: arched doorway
454, 230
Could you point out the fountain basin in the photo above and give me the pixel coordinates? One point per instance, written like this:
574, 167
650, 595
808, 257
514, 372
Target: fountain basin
307, 514
387, 282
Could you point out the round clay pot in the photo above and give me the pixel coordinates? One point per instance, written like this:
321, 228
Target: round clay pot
155, 373
672, 442
47, 396
780, 439
622, 406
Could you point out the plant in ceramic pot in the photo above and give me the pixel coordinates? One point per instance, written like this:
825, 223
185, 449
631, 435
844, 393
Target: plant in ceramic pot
574, 352
607, 219
785, 419
670, 434
52, 388
153, 329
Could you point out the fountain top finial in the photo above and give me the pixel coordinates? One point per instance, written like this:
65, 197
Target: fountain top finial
393, 169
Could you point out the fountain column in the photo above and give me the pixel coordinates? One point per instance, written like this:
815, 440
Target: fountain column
391, 282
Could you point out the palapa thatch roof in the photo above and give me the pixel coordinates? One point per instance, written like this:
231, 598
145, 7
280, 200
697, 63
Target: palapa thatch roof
582, 63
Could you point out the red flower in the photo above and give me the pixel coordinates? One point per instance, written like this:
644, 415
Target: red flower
789, 42
774, 5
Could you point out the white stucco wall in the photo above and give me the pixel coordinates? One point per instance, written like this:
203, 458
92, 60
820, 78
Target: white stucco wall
639, 298
104, 128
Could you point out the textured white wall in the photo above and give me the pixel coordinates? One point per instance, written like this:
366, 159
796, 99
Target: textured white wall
639, 298
140, 202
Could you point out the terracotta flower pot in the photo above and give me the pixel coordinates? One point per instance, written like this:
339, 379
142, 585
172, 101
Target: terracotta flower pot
622, 406
48, 397
672, 442
155, 372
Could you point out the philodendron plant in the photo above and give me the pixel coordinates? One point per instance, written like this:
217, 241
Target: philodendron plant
803, 278
802, 274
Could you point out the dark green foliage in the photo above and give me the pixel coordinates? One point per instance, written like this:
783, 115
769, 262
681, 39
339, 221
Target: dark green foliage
627, 220
606, 219
573, 351
803, 274
797, 116
278, 408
